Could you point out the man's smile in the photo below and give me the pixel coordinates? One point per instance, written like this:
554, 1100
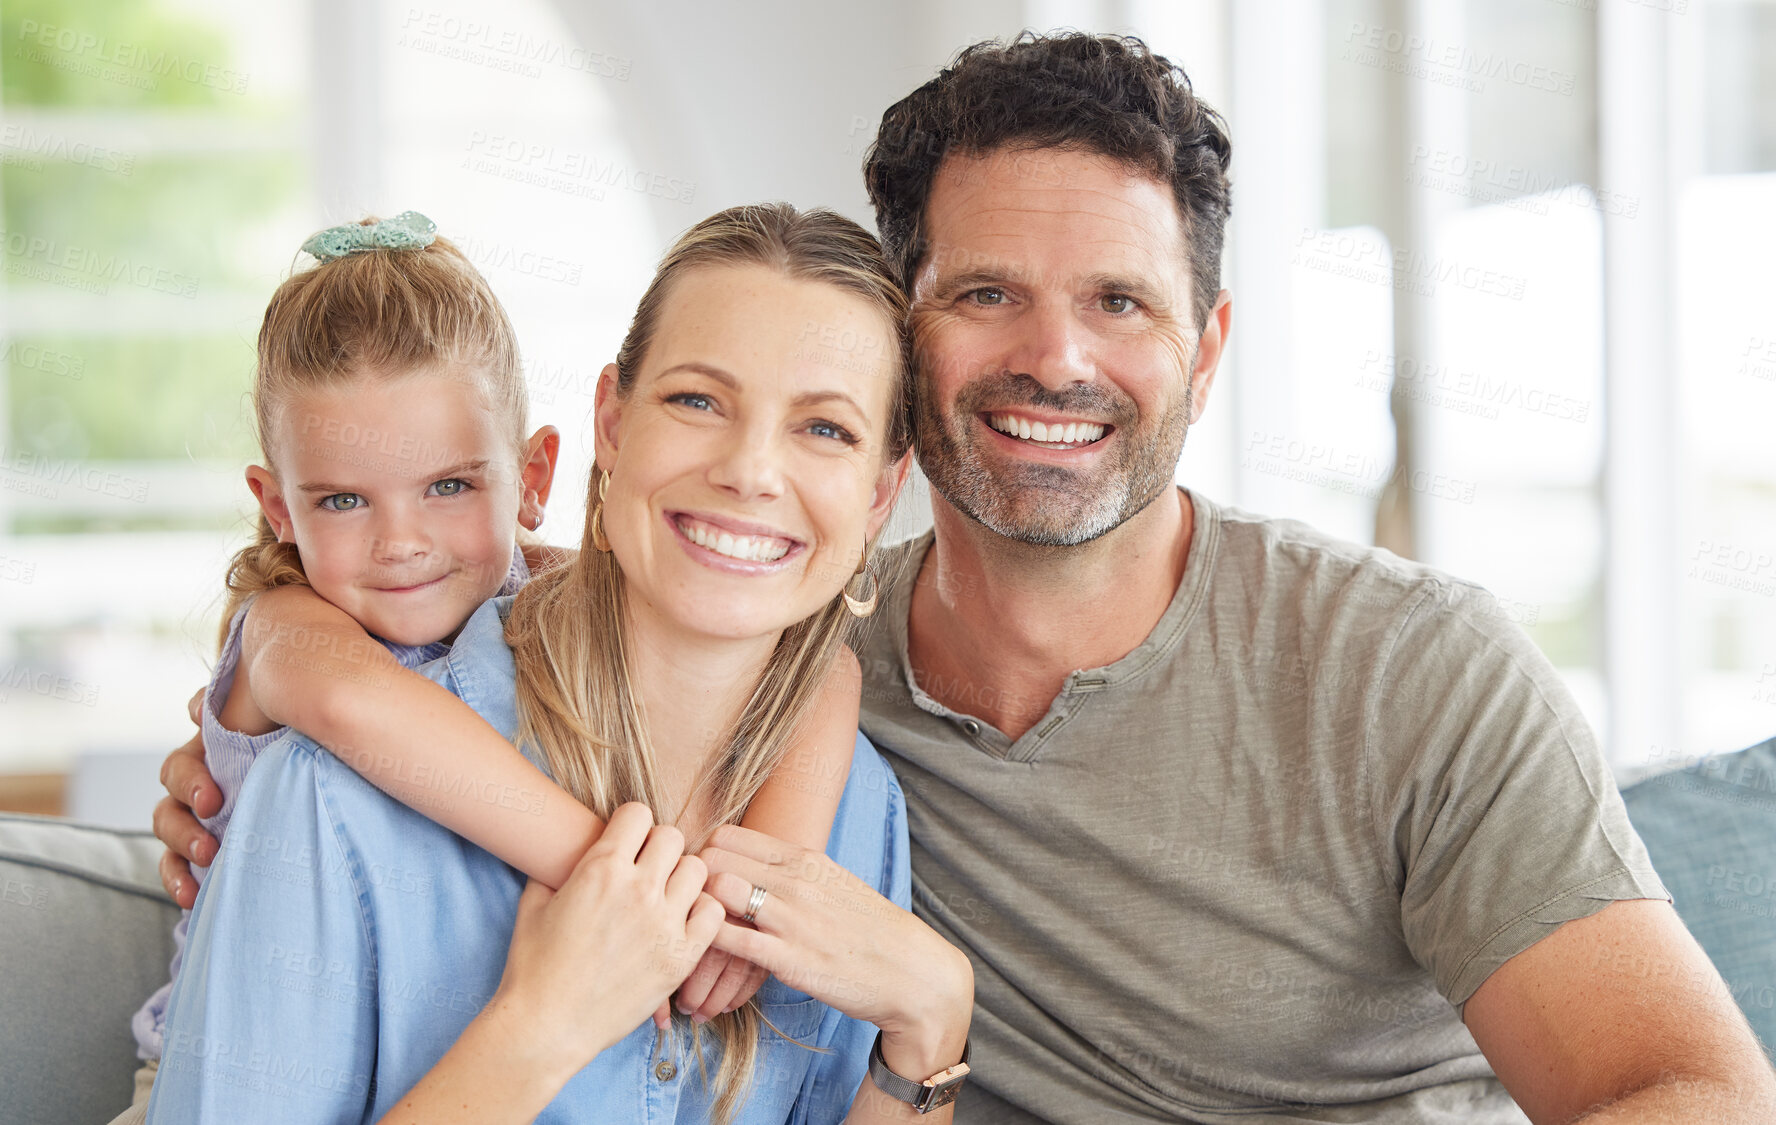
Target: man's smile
1052, 433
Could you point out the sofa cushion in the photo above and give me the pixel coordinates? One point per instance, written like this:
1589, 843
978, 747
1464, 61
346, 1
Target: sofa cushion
1711, 832
87, 934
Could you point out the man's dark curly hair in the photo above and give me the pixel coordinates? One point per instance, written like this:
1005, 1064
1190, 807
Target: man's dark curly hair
1105, 94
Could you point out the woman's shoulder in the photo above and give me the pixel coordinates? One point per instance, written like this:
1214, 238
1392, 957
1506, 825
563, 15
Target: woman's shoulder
869, 832
479, 669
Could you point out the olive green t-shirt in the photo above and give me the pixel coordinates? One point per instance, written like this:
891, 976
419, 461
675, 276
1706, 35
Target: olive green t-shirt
1249, 871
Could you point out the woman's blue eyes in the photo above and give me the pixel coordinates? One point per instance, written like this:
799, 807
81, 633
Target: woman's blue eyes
342, 502
818, 428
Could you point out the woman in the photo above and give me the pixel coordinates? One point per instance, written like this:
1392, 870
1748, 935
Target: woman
344, 942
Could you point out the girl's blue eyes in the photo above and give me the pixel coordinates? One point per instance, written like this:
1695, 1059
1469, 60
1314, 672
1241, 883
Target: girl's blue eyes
352, 501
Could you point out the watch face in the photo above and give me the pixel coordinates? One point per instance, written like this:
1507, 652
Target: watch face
944, 1095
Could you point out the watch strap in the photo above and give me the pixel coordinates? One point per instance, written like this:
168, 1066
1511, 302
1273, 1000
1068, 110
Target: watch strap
938, 1090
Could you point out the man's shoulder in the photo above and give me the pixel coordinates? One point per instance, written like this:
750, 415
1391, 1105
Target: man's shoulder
897, 566
869, 833
1283, 562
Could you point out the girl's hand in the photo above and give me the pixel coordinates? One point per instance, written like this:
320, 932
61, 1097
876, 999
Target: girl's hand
823, 931
720, 983
588, 963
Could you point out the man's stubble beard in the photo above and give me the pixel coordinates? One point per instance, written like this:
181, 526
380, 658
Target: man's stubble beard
1048, 505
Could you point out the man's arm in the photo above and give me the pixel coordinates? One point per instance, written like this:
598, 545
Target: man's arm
1620, 1017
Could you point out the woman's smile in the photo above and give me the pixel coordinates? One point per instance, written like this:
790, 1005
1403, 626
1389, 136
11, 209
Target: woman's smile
739, 546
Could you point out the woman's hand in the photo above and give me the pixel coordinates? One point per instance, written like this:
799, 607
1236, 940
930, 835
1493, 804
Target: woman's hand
190, 789
586, 965
825, 932
590, 962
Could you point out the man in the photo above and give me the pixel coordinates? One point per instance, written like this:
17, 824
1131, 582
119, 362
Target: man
1235, 821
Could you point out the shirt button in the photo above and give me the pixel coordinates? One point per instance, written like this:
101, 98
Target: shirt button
665, 1071
971, 726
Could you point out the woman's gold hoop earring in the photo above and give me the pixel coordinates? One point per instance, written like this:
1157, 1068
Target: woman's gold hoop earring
599, 539
860, 592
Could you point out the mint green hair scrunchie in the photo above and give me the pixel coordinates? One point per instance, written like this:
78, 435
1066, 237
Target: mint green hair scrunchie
407, 231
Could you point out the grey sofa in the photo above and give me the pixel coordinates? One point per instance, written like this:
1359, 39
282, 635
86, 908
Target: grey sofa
86, 932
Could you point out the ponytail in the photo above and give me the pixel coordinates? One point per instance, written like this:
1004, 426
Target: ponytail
261, 565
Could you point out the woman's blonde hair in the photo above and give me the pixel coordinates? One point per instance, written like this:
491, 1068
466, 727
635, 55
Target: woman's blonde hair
568, 632
373, 314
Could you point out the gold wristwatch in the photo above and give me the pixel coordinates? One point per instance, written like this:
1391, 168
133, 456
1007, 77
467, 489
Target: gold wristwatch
938, 1090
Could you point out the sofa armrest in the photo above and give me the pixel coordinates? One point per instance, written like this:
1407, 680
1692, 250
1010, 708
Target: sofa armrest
88, 935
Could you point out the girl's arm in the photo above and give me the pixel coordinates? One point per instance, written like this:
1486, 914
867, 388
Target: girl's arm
799, 800
797, 803
307, 664
540, 556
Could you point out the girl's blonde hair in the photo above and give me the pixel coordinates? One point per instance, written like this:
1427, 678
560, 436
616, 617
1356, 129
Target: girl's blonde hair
373, 314
568, 630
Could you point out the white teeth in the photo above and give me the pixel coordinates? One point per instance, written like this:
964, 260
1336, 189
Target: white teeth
1055, 433
751, 548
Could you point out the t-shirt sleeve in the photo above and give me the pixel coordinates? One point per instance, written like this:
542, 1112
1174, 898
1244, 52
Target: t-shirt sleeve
229, 753
1501, 817
272, 1018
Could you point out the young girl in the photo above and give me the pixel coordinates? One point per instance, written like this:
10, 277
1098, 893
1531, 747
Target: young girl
391, 410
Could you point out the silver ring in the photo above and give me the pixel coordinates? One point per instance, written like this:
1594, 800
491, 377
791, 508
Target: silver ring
753, 903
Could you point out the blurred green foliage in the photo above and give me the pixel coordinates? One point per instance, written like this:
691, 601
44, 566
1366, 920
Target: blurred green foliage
101, 398
134, 226
104, 54
181, 218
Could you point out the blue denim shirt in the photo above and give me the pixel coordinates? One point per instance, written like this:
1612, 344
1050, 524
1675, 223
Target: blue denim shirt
343, 941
